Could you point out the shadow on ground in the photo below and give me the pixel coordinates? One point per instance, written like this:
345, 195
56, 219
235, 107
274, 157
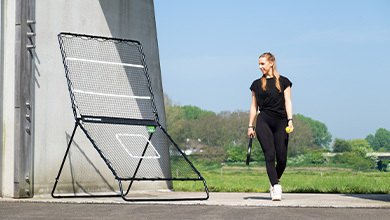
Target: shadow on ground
376, 197
257, 198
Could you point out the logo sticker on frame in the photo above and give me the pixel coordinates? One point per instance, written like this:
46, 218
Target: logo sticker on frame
151, 129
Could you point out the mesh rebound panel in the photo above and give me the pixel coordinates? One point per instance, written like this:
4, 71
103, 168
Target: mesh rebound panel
124, 146
109, 85
107, 77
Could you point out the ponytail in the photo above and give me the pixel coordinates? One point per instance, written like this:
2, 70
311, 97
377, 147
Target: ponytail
270, 57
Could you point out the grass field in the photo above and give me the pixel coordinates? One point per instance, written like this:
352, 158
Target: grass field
239, 178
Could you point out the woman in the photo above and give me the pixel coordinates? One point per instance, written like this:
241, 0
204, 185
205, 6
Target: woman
271, 95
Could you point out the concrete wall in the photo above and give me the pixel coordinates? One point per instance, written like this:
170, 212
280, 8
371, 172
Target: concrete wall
52, 114
8, 90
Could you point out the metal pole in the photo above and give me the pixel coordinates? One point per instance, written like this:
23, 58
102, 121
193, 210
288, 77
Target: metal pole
23, 106
1, 90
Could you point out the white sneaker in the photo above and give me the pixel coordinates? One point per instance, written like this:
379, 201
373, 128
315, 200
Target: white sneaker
276, 192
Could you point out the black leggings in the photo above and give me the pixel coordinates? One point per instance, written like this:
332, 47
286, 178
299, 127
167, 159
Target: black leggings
273, 139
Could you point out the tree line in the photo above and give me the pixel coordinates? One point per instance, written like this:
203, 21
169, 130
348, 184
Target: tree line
222, 137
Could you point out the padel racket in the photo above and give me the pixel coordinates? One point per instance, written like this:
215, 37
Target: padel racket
248, 155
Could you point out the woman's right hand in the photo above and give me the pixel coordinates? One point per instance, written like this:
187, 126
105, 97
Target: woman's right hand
251, 132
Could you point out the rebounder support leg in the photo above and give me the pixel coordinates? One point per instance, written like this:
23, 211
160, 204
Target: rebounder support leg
62, 166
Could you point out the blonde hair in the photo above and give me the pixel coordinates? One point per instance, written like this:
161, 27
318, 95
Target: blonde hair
270, 57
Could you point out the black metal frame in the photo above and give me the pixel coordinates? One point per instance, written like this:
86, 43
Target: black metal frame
110, 120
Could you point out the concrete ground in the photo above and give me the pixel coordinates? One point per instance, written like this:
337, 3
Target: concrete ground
218, 206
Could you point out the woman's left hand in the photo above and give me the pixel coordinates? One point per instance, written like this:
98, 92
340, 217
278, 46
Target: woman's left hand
290, 125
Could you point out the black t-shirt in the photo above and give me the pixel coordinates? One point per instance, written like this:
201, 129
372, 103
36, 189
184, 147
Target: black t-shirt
271, 101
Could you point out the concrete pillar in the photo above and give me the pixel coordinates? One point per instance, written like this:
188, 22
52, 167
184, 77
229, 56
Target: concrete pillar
23, 148
17, 151
8, 97
51, 113
1, 92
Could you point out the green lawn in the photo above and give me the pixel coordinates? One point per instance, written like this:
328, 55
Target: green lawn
238, 178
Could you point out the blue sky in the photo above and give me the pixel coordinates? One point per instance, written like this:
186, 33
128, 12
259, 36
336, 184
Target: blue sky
336, 53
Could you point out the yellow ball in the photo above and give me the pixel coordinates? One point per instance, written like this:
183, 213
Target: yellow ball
288, 129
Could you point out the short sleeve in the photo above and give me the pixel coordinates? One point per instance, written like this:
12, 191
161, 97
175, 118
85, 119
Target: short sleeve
252, 88
286, 83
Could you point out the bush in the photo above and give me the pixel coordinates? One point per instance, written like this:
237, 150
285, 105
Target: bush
355, 160
360, 146
300, 160
382, 165
339, 158
341, 145
237, 154
318, 158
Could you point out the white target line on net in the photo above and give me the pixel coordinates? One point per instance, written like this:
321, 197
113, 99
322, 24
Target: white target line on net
111, 95
149, 146
105, 62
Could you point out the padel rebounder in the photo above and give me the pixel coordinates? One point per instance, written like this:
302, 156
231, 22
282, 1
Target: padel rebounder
113, 104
